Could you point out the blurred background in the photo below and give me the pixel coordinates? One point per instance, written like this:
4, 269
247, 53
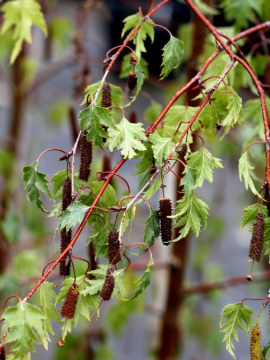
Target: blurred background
40, 99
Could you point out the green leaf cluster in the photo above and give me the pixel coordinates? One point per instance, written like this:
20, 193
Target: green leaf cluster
19, 17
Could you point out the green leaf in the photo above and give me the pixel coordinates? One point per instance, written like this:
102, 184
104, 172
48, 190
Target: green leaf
91, 120
47, 299
152, 228
93, 287
22, 327
245, 171
162, 147
204, 8
153, 111
145, 30
240, 11
72, 215
266, 351
143, 281
204, 163
234, 316
189, 180
153, 188
250, 213
34, 182
128, 137
172, 56
234, 108
19, 16
190, 214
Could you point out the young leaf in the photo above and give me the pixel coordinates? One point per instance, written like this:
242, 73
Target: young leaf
204, 163
172, 55
22, 327
245, 171
234, 108
240, 11
91, 120
162, 147
72, 215
190, 213
20, 16
128, 137
145, 30
188, 181
152, 228
250, 213
234, 316
47, 299
34, 182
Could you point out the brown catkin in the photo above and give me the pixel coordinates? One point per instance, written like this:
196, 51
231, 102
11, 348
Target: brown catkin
67, 196
107, 289
106, 99
113, 248
132, 80
2, 353
165, 210
86, 157
69, 306
64, 265
182, 152
267, 198
133, 59
255, 343
256, 243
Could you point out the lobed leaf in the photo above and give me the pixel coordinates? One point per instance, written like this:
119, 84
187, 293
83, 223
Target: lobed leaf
234, 316
172, 56
246, 172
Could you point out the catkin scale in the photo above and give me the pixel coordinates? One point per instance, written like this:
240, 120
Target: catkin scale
113, 248
2, 353
106, 100
107, 289
86, 158
67, 196
132, 80
69, 306
255, 343
165, 210
256, 243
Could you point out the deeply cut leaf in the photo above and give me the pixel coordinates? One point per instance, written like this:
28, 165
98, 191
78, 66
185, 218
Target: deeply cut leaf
190, 214
34, 183
234, 316
245, 171
152, 228
20, 16
172, 56
72, 215
127, 137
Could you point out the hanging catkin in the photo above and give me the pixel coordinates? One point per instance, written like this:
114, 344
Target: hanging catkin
255, 343
67, 196
107, 289
106, 100
113, 248
256, 243
165, 210
86, 157
69, 306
